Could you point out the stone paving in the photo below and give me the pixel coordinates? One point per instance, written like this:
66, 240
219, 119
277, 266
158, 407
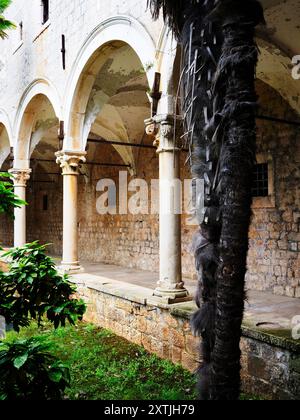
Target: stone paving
262, 309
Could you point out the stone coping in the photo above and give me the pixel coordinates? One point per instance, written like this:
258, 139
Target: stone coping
278, 338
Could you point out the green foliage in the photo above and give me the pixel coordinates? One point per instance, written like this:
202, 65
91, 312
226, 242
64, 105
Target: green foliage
4, 23
33, 289
29, 372
8, 200
104, 366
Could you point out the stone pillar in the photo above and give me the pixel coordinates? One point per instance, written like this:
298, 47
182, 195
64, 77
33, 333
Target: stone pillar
170, 287
70, 163
20, 177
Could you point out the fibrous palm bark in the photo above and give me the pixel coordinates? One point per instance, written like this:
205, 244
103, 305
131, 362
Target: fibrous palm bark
236, 78
219, 59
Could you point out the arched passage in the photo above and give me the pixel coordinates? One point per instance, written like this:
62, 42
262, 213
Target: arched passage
5, 147
6, 235
107, 37
107, 112
36, 126
39, 110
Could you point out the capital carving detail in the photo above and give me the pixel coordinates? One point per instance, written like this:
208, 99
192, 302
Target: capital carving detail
70, 162
20, 176
162, 129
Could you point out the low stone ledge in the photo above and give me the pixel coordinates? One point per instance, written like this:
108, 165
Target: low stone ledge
126, 291
270, 363
280, 338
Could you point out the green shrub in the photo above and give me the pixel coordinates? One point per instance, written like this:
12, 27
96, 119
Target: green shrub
29, 372
33, 289
8, 199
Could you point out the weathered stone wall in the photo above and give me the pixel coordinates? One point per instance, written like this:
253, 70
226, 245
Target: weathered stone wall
274, 256
6, 231
46, 225
270, 369
127, 240
39, 55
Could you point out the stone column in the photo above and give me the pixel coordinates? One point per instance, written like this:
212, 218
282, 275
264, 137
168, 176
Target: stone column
170, 287
20, 177
70, 163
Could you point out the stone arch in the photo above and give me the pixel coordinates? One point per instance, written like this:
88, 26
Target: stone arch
5, 121
166, 58
38, 92
274, 68
6, 138
104, 39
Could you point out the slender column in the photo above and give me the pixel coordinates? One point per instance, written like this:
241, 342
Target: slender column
70, 163
20, 176
170, 287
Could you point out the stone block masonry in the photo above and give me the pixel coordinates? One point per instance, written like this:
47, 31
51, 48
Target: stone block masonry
270, 363
274, 257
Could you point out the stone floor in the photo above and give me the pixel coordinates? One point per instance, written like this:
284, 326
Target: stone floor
263, 310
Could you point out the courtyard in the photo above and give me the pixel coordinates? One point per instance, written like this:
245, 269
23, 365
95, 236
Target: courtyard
94, 134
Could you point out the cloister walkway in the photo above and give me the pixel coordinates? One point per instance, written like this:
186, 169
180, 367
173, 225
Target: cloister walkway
262, 309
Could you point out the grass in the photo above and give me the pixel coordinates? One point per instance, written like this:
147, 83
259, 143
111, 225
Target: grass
106, 367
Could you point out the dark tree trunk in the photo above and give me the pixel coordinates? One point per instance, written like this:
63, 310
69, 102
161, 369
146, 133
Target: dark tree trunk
236, 78
219, 109
201, 41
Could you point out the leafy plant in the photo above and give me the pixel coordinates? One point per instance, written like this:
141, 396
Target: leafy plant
4, 23
32, 289
29, 372
8, 199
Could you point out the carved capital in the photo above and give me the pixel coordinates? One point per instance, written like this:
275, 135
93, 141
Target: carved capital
165, 131
70, 161
152, 130
20, 176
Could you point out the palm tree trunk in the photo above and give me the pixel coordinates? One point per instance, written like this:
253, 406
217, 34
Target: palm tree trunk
235, 77
219, 109
201, 42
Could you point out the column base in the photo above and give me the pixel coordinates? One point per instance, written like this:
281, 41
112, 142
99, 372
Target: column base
70, 268
172, 296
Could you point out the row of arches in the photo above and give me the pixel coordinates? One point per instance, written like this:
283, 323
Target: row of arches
110, 79
118, 58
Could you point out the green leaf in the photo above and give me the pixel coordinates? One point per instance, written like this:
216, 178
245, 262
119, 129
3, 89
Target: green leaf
55, 375
20, 361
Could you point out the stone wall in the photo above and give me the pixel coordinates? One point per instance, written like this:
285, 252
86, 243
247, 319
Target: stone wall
6, 231
274, 257
270, 365
126, 240
45, 225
